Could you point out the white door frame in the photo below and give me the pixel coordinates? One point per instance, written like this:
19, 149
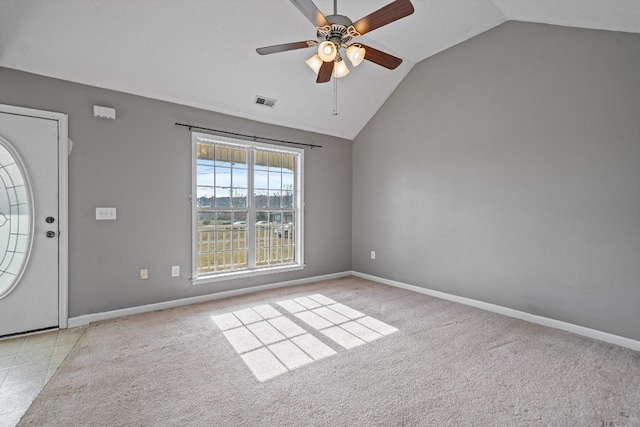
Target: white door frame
63, 202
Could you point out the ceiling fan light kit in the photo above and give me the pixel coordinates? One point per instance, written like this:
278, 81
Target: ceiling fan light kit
340, 69
327, 51
334, 32
314, 63
356, 54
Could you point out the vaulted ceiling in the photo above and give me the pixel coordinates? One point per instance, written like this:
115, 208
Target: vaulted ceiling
202, 52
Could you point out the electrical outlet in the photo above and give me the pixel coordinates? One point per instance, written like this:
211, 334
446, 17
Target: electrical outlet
144, 274
175, 271
373, 254
105, 214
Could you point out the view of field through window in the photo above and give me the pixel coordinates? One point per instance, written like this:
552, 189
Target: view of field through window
246, 208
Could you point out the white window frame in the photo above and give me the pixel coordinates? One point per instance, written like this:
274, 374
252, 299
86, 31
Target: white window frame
299, 210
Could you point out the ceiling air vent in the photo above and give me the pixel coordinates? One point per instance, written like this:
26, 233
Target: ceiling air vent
267, 102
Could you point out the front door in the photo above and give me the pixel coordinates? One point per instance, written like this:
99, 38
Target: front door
29, 222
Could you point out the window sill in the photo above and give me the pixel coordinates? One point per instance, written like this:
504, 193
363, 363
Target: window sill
243, 274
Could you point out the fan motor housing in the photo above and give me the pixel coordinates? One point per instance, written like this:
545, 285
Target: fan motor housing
338, 33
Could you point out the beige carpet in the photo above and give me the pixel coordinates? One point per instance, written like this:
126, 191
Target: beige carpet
446, 364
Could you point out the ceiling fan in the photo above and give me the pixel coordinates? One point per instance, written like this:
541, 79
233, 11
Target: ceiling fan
335, 32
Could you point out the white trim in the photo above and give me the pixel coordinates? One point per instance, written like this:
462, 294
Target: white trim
22, 111
88, 318
63, 201
63, 219
539, 320
245, 273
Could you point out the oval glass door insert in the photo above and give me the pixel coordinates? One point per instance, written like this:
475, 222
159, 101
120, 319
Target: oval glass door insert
16, 219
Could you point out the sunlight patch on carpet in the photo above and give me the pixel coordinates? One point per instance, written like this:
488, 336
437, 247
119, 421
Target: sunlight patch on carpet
271, 344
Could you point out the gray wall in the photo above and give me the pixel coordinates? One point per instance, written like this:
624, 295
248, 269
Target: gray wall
140, 163
507, 170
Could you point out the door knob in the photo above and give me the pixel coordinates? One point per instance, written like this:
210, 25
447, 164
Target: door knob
51, 234
50, 220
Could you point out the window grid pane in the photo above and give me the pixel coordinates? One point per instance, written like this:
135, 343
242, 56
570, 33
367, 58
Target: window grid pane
275, 241
226, 238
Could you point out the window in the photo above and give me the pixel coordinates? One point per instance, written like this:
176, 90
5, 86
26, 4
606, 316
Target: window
16, 225
247, 208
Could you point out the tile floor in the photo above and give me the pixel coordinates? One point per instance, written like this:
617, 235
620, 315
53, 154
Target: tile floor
26, 364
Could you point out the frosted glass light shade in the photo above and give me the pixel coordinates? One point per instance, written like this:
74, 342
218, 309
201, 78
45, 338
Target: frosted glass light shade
340, 69
314, 63
327, 51
355, 54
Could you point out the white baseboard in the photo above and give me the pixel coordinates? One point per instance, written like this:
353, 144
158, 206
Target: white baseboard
540, 320
88, 318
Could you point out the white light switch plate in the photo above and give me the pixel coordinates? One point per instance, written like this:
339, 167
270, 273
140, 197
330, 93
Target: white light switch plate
105, 213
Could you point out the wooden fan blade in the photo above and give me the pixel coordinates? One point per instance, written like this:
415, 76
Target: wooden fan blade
284, 47
381, 58
311, 12
324, 74
383, 16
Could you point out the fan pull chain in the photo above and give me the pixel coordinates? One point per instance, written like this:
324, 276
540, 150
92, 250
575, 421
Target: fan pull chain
335, 96
335, 79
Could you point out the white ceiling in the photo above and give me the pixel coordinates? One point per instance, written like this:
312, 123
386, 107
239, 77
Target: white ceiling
202, 52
